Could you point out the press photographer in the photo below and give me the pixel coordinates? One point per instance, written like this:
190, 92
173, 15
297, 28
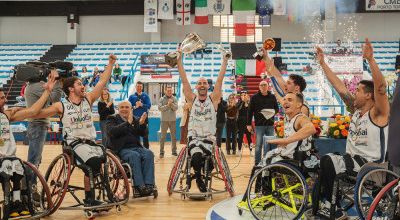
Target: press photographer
35, 74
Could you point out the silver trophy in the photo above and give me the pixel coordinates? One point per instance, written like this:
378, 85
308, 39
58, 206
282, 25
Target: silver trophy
225, 53
191, 43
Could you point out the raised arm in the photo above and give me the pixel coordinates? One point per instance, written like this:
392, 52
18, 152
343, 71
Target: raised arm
187, 90
274, 73
217, 93
35, 108
104, 78
339, 86
381, 107
52, 110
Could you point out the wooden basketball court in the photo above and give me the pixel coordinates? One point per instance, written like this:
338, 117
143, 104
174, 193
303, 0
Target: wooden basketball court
164, 207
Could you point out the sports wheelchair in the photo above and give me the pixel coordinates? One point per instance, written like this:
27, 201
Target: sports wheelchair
111, 185
386, 203
37, 205
290, 189
181, 172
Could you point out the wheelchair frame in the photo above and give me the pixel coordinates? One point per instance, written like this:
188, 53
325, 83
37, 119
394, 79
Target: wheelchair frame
38, 209
180, 173
112, 178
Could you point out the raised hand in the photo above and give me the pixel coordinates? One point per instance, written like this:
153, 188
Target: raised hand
130, 117
367, 50
51, 81
320, 55
269, 62
112, 59
143, 118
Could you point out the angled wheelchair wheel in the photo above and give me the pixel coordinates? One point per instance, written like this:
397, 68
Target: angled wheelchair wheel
223, 169
386, 203
40, 205
277, 191
117, 178
369, 182
57, 178
176, 170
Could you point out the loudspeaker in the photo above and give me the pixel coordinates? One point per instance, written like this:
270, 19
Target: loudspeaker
397, 65
277, 44
210, 83
278, 62
243, 50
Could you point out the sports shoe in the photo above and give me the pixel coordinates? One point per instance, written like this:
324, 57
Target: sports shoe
92, 202
18, 209
325, 211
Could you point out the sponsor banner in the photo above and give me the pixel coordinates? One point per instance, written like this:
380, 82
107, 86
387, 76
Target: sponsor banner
154, 64
382, 5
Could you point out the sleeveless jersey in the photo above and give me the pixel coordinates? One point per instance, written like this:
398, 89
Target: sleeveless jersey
77, 120
8, 147
303, 145
366, 139
202, 120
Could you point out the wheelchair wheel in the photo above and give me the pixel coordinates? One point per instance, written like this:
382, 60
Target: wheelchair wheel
386, 203
277, 191
224, 171
369, 182
57, 178
117, 178
41, 205
176, 170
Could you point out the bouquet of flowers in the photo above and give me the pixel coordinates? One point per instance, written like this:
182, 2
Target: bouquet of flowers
279, 127
339, 128
317, 124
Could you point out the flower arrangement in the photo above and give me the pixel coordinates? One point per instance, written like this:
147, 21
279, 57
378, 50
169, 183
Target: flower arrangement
279, 127
339, 128
317, 124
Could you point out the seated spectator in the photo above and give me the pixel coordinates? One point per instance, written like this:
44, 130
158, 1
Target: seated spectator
85, 76
124, 131
117, 72
95, 77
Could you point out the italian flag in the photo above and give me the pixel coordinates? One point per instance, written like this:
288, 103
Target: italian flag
201, 12
250, 67
243, 13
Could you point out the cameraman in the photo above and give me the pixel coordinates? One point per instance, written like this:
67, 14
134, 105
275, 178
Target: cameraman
37, 128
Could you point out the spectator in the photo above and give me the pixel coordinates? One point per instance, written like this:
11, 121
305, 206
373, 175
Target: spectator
105, 108
85, 76
95, 77
117, 73
124, 132
185, 121
243, 108
141, 103
231, 128
221, 119
168, 106
264, 99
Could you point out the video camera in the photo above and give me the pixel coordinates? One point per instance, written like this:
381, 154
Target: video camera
36, 71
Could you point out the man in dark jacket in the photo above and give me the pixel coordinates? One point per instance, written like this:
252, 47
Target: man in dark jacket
124, 131
258, 102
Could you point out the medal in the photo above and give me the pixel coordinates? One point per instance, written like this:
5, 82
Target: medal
1, 142
80, 125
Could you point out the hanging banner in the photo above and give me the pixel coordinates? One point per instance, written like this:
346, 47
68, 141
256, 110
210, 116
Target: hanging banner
150, 16
166, 9
382, 5
183, 12
219, 7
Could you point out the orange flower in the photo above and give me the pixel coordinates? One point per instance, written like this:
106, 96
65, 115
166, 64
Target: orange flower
339, 122
344, 133
316, 126
315, 121
281, 123
347, 125
338, 117
281, 134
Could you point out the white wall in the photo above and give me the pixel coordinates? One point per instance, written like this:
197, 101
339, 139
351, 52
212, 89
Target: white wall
129, 28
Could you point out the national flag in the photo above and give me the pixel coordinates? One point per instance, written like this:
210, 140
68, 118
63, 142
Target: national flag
279, 7
166, 9
183, 12
201, 12
249, 67
219, 7
244, 24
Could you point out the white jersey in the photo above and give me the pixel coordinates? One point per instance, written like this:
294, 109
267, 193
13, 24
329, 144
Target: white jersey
303, 145
202, 120
7, 145
366, 139
77, 120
